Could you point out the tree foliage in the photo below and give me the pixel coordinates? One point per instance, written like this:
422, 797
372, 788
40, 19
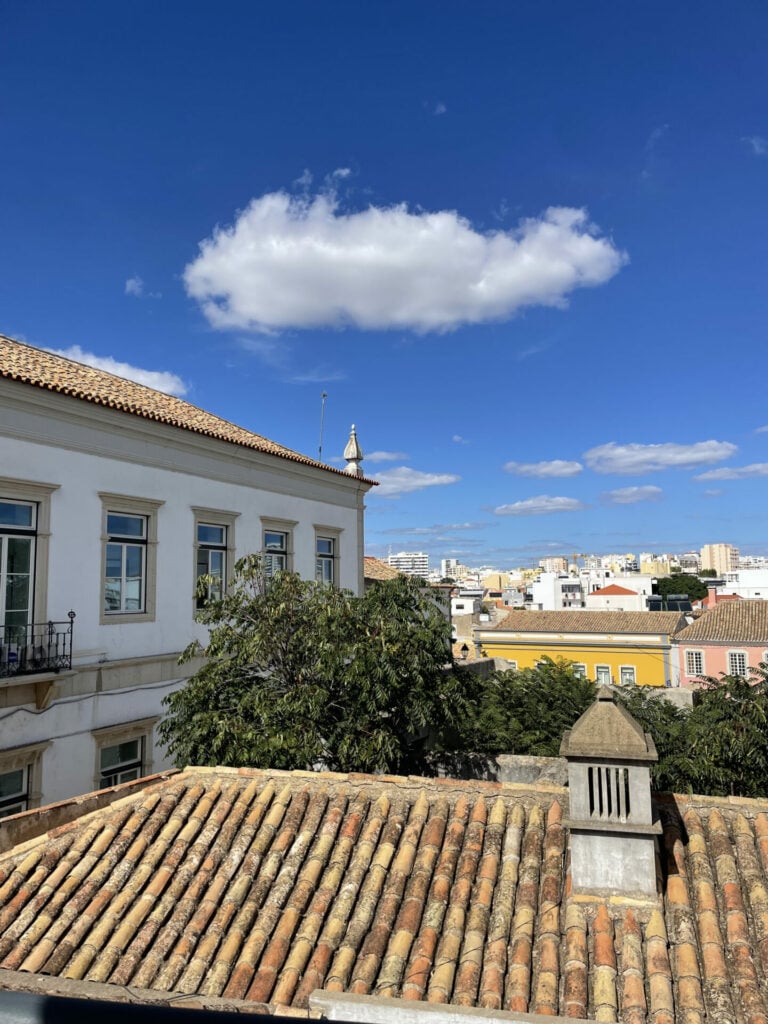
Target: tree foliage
299, 675
681, 583
526, 711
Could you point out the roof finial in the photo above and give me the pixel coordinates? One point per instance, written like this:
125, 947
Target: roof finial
353, 453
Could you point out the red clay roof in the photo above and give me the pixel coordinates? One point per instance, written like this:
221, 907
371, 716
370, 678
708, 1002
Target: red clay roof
614, 589
375, 569
735, 622
590, 622
265, 886
52, 372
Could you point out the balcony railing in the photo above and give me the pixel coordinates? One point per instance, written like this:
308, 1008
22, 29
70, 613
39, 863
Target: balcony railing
39, 647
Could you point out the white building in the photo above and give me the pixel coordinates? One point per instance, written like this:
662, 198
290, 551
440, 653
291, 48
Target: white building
114, 498
412, 563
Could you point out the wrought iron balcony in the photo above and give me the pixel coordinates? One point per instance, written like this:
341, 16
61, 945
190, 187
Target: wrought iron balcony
39, 647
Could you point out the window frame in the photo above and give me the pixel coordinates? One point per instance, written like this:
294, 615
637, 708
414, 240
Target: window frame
694, 652
39, 494
213, 517
147, 508
27, 758
113, 735
580, 669
285, 526
333, 534
597, 675
739, 653
627, 668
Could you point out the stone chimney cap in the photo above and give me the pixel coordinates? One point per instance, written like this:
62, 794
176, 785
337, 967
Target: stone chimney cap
607, 731
353, 453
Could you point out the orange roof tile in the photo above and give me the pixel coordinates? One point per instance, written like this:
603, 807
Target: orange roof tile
740, 622
264, 886
613, 588
375, 569
34, 366
590, 622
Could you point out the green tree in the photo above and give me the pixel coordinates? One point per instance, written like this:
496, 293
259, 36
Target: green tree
526, 711
681, 583
297, 674
708, 573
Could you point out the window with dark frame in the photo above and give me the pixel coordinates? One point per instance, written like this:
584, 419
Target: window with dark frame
121, 762
14, 792
325, 556
275, 552
211, 561
126, 563
18, 529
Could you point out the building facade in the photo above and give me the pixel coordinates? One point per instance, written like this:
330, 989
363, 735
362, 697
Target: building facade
728, 639
722, 558
619, 648
114, 500
412, 563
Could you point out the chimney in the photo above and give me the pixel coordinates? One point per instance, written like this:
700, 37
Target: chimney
613, 833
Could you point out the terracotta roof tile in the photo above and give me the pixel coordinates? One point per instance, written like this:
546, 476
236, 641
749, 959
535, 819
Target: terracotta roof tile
52, 372
613, 590
265, 886
591, 622
375, 569
740, 622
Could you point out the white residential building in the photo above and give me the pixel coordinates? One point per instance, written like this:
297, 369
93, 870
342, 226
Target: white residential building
412, 563
114, 498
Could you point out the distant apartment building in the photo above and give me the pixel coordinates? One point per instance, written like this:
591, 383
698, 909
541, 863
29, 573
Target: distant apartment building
412, 563
452, 568
554, 563
656, 565
722, 558
690, 562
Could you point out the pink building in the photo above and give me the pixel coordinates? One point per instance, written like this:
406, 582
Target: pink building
728, 638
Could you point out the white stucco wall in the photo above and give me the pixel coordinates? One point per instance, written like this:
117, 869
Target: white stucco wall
82, 450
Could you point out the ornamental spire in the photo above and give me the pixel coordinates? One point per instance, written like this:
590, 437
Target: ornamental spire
353, 453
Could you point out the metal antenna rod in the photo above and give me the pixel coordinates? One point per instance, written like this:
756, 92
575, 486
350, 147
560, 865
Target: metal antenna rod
323, 396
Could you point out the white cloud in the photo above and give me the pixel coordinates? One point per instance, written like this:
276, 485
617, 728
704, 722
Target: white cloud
736, 472
404, 480
160, 380
758, 144
134, 286
440, 108
631, 495
555, 467
385, 456
438, 528
301, 261
648, 458
761, 430
540, 506
714, 492
458, 439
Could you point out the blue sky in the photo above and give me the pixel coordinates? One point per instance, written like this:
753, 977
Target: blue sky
522, 246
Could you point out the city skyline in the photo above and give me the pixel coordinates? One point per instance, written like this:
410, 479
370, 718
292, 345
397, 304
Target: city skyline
521, 248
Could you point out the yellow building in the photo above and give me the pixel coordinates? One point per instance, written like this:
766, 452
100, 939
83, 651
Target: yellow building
622, 648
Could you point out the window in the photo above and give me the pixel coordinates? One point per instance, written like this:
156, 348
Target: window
18, 527
14, 792
126, 569
326, 553
737, 663
211, 561
25, 517
627, 675
129, 558
20, 777
214, 551
123, 752
278, 546
580, 670
603, 675
121, 762
694, 663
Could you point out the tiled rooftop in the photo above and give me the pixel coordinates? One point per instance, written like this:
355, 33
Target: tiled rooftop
591, 622
740, 622
614, 589
264, 886
375, 569
52, 372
